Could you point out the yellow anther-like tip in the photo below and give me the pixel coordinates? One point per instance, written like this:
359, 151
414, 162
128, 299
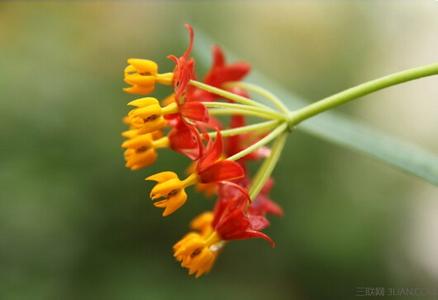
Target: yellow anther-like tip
162, 176
203, 223
142, 102
144, 140
169, 190
195, 254
142, 75
139, 90
143, 65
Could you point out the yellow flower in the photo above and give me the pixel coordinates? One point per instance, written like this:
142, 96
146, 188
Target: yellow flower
168, 100
142, 75
202, 223
198, 253
148, 115
141, 149
170, 190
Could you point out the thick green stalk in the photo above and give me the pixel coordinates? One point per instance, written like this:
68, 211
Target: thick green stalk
363, 89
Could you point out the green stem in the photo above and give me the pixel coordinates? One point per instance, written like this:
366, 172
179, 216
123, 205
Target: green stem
232, 111
267, 167
269, 113
262, 92
272, 135
254, 128
227, 95
363, 89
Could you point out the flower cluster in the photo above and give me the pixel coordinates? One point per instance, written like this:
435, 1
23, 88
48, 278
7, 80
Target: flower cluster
192, 121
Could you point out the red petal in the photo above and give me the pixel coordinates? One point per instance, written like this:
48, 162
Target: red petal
218, 57
214, 123
258, 222
191, 40
221, 171
250, 234
184, 69
236, 226
231, 197
234, 72
271, 207
239, 91
185, 139
232, 224
212, 153
194, 111
263, 205
220, 73
268, 186
230, 218
234, 142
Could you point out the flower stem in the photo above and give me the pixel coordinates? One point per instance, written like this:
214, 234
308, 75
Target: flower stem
267, 167
262, 92
268, 112
363, 89
232, 111
272, 135
227, 95
161, 142
255, 128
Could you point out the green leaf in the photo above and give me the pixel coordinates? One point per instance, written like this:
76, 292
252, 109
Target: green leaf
341, 129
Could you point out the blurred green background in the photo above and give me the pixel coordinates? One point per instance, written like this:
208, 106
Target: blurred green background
75, 224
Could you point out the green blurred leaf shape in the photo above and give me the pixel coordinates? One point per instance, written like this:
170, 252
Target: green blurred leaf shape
340, 129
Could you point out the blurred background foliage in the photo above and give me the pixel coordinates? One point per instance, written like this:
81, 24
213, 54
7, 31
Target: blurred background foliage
75, 224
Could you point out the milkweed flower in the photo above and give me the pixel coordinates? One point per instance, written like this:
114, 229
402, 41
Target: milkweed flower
208, 189
263, 204
141, 149
148, 115
186, 122
170, 190
209, 169
197, 251
184, 69
202, 223
221, 73
142, 75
